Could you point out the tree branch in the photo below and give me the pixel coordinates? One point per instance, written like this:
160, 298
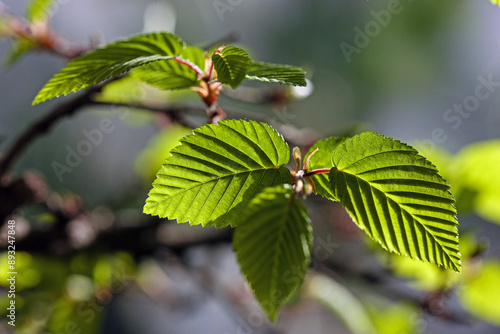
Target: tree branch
42, 126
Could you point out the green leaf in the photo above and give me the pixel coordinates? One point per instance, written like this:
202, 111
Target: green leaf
479, 295
476, 175
322, 159
19, 48
282, 74
393, 318
110, 61
167, 74
211, 177
231, 65
39, 10
273, 243
397, 197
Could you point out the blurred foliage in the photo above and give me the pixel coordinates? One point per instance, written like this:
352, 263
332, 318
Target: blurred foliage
39, 10
481, 292
394, 318
65, 294
342, 302
473, 175
149, 161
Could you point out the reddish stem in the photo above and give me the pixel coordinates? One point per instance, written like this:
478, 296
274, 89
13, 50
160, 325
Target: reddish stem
190, 65
317, 171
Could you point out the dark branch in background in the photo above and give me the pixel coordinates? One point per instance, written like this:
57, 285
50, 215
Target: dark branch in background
46, 123
42, 126
175, 114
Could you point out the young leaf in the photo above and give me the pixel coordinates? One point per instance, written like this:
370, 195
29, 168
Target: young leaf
39, 10
282, 74
231, 65
322, 159
110, 61
19, 48
397, 197
211, 177
273, 244
167, 74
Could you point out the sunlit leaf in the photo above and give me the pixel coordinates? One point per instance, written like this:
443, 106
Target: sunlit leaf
211, 177
167, 74
323, 159
275, 73
231, 65
397, 197
110, 61
272, 243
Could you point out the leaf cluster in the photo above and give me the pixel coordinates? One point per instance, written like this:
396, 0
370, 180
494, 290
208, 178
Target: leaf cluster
234, 173
164, 60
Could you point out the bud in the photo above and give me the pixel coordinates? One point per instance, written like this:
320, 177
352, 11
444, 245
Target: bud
297, 156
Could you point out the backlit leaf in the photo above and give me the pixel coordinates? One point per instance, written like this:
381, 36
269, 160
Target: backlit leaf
110, 61
272, 243
282, 74
167, 74
213, 175
231, 65
397, 197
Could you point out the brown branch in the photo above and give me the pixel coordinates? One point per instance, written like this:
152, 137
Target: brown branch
176, 114
45, 123
42, 126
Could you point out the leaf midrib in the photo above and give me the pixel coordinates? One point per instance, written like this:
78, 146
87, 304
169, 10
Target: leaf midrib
278, 243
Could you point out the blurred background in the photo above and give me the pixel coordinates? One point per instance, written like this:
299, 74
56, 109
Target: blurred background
428, 73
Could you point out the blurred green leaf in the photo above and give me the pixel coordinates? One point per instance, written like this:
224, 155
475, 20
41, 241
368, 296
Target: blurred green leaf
111, 60
19, 48
394, 319
340, 301
397, 197
28, 276
39, 10
427, 276
212, 175
149, 161
481, 293
272, 243
477, 172
275, 73
231, 65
